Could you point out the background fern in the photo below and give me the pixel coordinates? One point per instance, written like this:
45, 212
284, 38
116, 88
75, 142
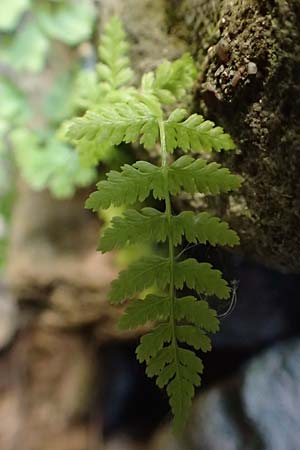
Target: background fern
182, 323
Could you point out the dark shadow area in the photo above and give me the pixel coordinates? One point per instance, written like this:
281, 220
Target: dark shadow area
267, 311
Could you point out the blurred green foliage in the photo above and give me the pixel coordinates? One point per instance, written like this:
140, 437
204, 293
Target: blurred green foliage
37, 22
29, 134
26, 30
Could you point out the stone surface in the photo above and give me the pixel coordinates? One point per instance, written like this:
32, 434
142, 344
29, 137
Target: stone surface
257, 410
9, 317
53, 263
46, 386
267, 304
146, 22
271, 396
260, 109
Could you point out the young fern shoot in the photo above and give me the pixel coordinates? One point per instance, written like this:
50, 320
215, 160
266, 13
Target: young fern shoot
182, 324
109, 83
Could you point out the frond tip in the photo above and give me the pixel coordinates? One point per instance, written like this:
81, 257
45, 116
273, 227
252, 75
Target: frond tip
196, 134
114, 68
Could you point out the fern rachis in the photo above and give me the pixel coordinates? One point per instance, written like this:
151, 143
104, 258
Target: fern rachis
181, 321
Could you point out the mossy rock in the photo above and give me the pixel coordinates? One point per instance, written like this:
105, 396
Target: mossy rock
249, 82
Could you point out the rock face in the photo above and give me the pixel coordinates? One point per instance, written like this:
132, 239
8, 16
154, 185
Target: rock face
249, 81
9, 317
45, 384
53, 263
248, 58
258, 410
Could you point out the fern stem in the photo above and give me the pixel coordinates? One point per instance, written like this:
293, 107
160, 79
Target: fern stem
164, 159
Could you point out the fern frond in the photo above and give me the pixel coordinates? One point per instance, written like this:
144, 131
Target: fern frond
196, 312
90, 152
148, 224
179, 369
114, 68
152, 225
202, 228
153, 342
181, 389
133, 183
115, 123
195, 133
171, 80
139, 312
129, 115
201, 277
156, 365
196, 175
140, 275
194, 337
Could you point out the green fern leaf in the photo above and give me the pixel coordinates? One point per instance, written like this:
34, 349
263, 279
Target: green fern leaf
181, 389
194, 337
196, 175
163, 357
171, 80
139, 312
90, 153
133, 183
138, 116
195, 134
166, 374
201, 277
142, 274
152, 225
196, 312
148, 224
202, 228
114, 68
153, 342
180, 370
115, 123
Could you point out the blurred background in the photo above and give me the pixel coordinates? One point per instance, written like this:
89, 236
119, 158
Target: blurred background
69, 379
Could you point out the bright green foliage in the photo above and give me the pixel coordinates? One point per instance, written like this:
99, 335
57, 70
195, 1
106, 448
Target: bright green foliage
108, 85
133, 183
122, 123
114, 68
197, 175
28, 28
49, 163
152, 225
69, 21
181, 320
11, 12
171, 81
195, 133
28, 50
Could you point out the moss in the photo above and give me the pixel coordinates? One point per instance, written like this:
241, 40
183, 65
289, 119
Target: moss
249, 82
249, 60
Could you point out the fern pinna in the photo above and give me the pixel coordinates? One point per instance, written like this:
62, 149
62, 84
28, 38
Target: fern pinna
182, 324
